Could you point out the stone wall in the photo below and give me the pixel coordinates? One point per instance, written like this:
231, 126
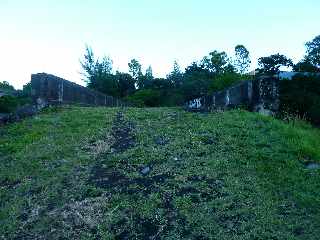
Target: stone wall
260, 95
54, 90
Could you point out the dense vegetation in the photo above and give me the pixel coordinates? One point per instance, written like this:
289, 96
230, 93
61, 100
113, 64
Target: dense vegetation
6, 87
13, 98
214, 72
301, 97
158, 173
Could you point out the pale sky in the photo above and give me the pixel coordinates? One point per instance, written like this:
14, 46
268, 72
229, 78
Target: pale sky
50, 36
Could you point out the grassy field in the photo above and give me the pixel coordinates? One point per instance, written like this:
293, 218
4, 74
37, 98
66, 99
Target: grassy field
158, 173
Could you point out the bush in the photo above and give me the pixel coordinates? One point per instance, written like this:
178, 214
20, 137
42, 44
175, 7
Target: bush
301, 96
314, 112
5, 86
172, 98
8, 104
226, 80
145, 97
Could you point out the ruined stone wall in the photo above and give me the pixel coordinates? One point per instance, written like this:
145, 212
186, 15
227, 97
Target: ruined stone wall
265, 98
260, 95
52, 89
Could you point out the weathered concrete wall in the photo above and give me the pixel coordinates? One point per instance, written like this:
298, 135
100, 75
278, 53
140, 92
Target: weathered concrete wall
260, 95
52, 89
265, 98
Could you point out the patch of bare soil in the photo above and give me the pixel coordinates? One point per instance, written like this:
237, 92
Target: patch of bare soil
122, 132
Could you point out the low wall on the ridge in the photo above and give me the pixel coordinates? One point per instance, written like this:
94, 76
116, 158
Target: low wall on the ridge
260, 95
54, 90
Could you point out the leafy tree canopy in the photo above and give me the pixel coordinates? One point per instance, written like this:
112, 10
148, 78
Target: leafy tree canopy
135, 68
6, 86
313, 51
95, 71
242, 59
305, 66
272, 64
215, 62
126, 84
176, 75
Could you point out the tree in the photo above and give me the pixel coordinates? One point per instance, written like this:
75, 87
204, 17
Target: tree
126, 84
102, 70
272, 64
229, 68
162, 84
27, 90
242, 59
305, 66
146, 97
146, 81
88, 65
94, 69
105, 65
136, 73
225, 80
196, 81
313, 51
216, 62
135, 69
219, 60
97, 74
149, 74
6, 86
206, 64
175, 77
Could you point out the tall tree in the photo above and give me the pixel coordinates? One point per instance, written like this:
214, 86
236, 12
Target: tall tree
242, 59
136, 73
6, 86
92, 68
175, 77
206, 64
88, 65
196, 81
305, 66
146, 81
27, 90
135, 68
313, 51
216, 62
219, 60
149, 73
272, 64
126, 84
97, 74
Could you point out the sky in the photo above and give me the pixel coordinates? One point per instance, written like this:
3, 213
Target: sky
50, 36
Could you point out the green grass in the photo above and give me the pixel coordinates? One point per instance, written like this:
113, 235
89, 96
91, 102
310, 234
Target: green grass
225, 175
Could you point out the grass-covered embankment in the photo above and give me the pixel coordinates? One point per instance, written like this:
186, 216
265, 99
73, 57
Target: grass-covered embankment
160, 173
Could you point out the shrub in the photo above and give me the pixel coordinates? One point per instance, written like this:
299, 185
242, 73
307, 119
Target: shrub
301, 96
5, 86
314, 112
226, 80
145, 97
172, 98
8, 104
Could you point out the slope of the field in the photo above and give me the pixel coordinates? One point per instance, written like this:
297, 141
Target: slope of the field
160, 173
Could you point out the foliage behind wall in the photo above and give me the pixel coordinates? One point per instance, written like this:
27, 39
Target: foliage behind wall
301, 97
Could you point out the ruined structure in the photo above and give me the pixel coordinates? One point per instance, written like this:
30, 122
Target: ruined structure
50, 89
259, 95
